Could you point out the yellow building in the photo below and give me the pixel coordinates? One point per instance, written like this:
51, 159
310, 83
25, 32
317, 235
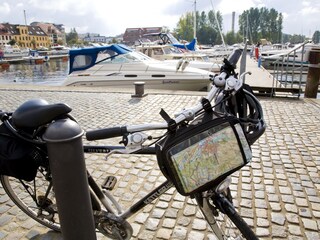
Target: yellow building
32, 37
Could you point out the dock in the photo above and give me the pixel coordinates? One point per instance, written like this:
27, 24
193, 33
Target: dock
264, 83
278, 193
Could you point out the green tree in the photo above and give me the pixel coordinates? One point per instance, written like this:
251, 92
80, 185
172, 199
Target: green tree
249, 23
297, 38
261, 23
316, 37
72, 37
184, 28
207, 30
12, 42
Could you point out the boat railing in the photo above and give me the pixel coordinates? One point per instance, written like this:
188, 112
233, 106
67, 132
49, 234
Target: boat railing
290, 68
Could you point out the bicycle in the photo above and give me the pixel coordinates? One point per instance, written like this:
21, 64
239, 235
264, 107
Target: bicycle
36, 197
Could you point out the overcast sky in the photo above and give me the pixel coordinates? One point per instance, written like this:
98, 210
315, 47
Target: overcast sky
112, 17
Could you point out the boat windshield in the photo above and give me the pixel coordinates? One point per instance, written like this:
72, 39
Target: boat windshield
170, 50
127, 58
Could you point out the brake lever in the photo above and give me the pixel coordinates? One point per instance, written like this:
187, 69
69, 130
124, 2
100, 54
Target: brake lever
133, 143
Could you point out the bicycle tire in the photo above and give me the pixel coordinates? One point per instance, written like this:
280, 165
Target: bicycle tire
46, 214
224, 220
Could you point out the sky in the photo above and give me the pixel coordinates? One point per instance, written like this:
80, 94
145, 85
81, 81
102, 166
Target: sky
112, 17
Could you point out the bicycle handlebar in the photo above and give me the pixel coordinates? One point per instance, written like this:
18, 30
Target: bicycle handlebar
121, 130
106, 133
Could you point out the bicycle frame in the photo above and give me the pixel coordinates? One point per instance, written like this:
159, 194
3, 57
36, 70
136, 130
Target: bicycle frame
146, 200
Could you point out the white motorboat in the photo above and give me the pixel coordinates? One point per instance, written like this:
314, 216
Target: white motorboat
14, 52
171, 55
118, 66
296, 56
35, 58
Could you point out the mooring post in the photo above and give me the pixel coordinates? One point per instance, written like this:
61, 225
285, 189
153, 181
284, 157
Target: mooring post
70, 182
313, 76
139, 90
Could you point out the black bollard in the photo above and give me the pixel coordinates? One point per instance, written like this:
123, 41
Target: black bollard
313, 77
139, 90
70, 182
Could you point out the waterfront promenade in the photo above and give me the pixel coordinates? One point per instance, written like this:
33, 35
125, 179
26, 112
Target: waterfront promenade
278, 193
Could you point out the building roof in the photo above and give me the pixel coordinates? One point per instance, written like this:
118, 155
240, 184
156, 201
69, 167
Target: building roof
48, 28
13, 29
36, 30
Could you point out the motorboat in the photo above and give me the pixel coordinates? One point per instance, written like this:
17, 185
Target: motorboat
117, 65
14, 52
295, 56
171, 55
35, 58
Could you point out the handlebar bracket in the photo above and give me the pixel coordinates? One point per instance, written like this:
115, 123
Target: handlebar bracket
172, 125
206, 105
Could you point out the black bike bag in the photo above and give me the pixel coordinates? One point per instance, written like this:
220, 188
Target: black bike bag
199, 155
18, 158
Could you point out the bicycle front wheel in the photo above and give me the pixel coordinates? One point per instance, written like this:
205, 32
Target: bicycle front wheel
35, 198
224, 220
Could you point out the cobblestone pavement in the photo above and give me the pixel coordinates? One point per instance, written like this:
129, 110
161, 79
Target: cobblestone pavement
278, 194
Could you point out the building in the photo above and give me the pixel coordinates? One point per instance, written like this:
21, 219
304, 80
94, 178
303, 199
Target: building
5, 35
25, 36
95, 38
132, 35
55, 32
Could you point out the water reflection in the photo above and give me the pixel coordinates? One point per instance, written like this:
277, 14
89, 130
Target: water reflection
51, 73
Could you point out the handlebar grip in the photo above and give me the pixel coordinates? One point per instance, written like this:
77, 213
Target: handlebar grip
106, 133
235, 56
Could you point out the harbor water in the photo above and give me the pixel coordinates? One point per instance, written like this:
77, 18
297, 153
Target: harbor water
51, 73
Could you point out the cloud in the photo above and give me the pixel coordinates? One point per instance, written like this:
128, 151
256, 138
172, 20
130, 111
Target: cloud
4, 8
114, 16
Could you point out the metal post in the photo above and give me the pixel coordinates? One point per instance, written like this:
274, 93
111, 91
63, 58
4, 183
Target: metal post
139, 90
313, 77
243, 62
70, 182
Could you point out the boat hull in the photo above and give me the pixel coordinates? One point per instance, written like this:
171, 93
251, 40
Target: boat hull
164, 84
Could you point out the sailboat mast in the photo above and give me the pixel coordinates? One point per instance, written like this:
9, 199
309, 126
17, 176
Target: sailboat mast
219, 28
195, 20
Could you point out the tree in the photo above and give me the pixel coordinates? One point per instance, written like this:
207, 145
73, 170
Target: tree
184, 28
72, 37
316, 37
12, 42
261, 23
207, 30
34, 43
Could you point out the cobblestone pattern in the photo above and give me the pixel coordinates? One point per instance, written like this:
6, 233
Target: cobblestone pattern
277, 194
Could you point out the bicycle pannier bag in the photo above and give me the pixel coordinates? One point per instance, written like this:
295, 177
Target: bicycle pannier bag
198, 155
17, 158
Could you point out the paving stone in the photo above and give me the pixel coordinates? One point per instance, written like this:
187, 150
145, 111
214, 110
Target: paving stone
184, 221
193, 235
312, 235
179, 233
261, 222
262, 232
310, 224
152, 224
291, 208
278, 218
189, 210
278, 231
294, 230
304, 212
164, 233
141, 218
199, 224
